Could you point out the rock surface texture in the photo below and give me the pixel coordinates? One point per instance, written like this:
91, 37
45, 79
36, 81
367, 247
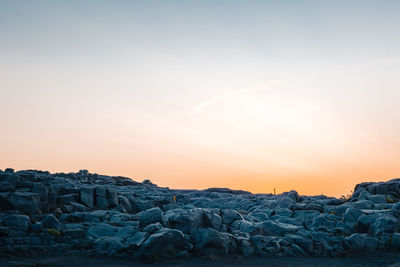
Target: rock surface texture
96, 215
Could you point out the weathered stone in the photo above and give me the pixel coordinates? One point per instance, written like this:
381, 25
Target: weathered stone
151, 216
51, 222
87, 196
18, 222
277, 229
210, 242
100, 230
25, 202
165, 243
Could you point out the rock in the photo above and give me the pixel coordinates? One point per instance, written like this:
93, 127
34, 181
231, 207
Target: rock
152, 228
149, 216
210, 242
277, 229
371, 243
228, 216
51, 222
108, 245
78, 207
101, 230
186, 221
125, 203
245, 247
362, 204
351, 215
87, 196
396, 210
165, 243
385, 224
18, 222
246, 227
25, 202
395, 244
67, 199
356, 241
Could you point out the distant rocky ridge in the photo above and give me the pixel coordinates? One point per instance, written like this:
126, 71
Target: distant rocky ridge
91, 215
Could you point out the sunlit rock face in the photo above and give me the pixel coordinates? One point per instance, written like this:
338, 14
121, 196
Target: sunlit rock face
90, 214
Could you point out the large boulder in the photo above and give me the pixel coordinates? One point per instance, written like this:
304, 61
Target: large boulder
87, 196
17, 222
51, 222
149, 216
324, 222
165, 243
351, 215
396, 210
186, 221
25, 202
356, 242
228, 216
210, 242
272, 228
101, 230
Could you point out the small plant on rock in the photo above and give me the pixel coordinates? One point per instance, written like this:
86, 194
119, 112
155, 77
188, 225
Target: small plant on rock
390, 200
54, 232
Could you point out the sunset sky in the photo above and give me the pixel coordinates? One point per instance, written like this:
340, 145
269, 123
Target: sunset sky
251, 95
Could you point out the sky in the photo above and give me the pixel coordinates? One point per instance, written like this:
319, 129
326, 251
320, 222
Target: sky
251, 95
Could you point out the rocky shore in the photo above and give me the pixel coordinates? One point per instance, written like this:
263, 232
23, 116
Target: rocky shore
84, 214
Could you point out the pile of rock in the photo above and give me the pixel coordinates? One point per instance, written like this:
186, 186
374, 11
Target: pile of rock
89, 214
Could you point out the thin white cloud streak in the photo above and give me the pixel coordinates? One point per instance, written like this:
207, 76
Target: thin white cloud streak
203, 106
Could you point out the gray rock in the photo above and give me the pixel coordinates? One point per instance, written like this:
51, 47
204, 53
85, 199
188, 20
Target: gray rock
149, 216
87, 196
277, 229
228, 216
351, 215
101, 230
18, 222
152, 228
324, 222
186, 221
356, 242
67, 199
165, 243
25, 202
125, 203
385, 224
362, 204
51, 222
210, 242
371, 243
78, 206
396, 210
395, 244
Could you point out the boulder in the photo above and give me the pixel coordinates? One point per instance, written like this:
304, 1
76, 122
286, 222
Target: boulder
186, 221
228, 216
165, 243
149, 216
17, 222
25, 202
152, 228
50, 222
125, 203
395, 244
87, 196
396, 210
351, 215
101, 230
356, 242
210, 242
271, 228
